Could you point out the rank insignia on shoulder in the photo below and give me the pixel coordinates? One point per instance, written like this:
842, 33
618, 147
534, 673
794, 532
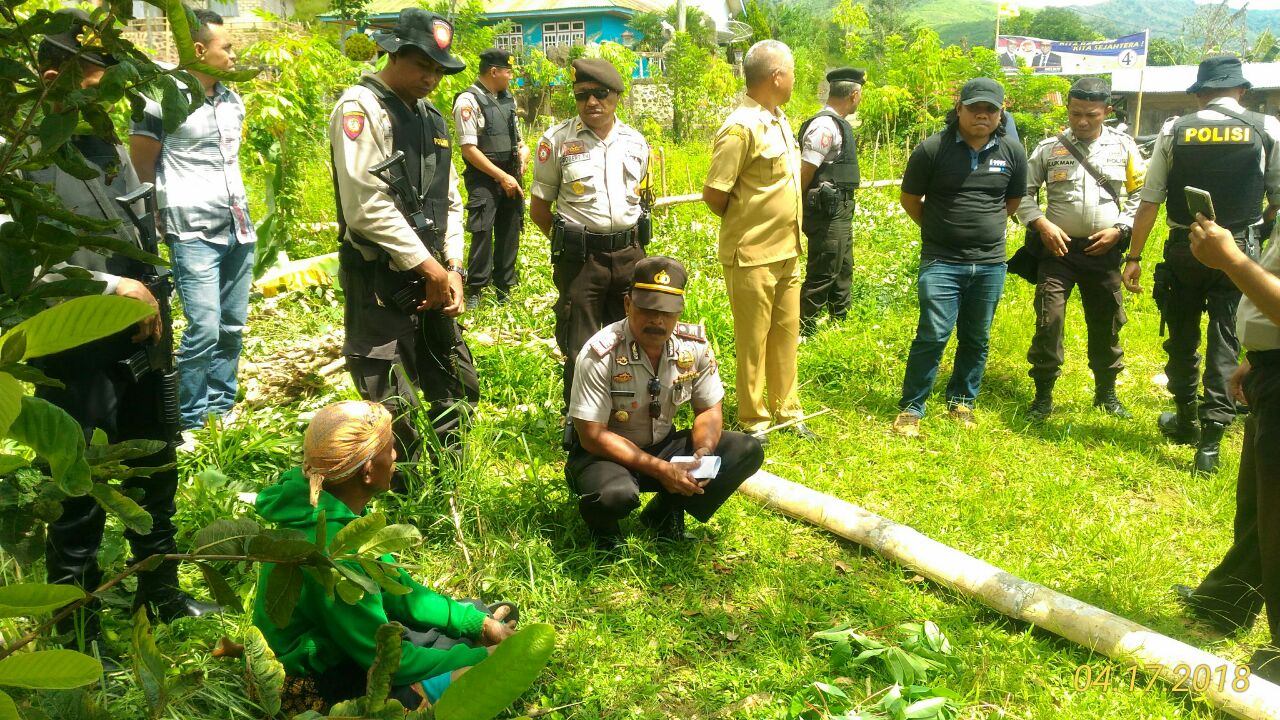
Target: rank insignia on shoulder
622, 416
604, 346
352, 124
684, 360
689, 331
622, 378
442, 142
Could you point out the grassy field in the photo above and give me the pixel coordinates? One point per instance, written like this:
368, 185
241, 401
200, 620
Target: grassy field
1097, 508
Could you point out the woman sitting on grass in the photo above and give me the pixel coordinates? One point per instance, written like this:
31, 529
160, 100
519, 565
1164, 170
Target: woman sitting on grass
348, 458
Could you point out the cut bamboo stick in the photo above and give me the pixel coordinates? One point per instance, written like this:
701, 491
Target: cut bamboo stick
1122, 640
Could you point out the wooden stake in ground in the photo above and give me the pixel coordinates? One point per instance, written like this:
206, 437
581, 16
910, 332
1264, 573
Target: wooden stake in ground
1094, 628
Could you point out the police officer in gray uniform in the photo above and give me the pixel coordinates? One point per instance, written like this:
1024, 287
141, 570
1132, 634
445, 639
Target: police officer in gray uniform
828, 177
632, 377
1233, 154
591, 168
484, 116
1082, 231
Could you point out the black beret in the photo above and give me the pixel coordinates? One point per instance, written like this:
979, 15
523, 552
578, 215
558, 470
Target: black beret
596, 70
497, 57
1091, 89
847, 74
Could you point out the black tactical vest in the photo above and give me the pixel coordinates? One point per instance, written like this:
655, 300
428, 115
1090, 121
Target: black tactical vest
497, 139
423, 137
843, 171
1223, 157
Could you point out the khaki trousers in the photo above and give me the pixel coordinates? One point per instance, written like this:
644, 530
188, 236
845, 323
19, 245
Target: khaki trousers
765, 301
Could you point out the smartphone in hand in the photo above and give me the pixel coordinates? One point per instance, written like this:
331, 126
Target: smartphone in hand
1199, 201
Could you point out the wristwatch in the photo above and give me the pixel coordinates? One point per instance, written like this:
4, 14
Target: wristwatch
1133, 258
457, 269
1125, 230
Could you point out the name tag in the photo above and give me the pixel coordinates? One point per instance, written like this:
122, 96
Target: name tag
1228, 135
996, 165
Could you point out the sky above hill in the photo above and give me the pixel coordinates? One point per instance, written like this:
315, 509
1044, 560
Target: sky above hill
1253, 4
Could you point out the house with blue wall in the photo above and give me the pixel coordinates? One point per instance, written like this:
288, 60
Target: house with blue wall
544, 24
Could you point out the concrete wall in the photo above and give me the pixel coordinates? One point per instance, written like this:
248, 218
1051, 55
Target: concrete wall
649, 99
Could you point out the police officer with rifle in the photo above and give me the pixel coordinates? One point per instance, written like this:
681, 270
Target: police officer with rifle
1233, 154
829, 177
400, 222
124, 385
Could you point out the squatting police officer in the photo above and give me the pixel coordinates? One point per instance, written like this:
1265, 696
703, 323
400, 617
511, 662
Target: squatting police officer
591, 167
1233, 154
632, 377
495, 156
828, 177
401, 266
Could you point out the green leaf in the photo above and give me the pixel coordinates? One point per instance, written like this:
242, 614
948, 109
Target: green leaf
123, 507
386, 660
78, 321
30, 599
265, 673
385, 580
284, 587
225, 537
56, 437
173, 103
99, 439
348, 591
29, 374
357, 577
934, 637
222, 592
392, 538
9, 463
8, 710
494, 684
98, 454
14, 347
930, 708
10, 402
149, 665
66, 288
49, 670
830, 690
273, 546
322, 530
56, 129
243, 75
356, 533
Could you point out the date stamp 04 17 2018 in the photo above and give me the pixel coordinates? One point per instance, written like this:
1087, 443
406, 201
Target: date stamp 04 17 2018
1188, 678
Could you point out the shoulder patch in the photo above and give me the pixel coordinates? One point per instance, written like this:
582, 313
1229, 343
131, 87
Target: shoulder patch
544, 150
465, 113
353, 124
689, 331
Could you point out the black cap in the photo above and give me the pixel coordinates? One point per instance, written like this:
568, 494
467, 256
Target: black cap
847, 74
497, 57
982, 90
596, 70
658, 284
1091, 89
70, 40
1221, 72
428, 32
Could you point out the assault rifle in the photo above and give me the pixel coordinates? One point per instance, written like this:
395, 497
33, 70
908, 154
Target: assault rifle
405, 289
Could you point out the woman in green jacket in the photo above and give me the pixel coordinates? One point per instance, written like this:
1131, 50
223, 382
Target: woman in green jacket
348, 458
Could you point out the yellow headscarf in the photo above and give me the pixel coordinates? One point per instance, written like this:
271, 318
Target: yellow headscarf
343, 437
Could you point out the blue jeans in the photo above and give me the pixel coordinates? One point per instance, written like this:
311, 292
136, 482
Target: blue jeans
213, 282
960, 296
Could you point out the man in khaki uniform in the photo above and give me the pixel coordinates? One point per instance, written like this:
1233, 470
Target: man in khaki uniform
393, 350
590, 167
632, 377
753, 184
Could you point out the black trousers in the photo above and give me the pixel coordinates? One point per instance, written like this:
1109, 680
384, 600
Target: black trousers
1101, 294
435, 359
494, 221
608, 492
828, 273
98, 395
1196, 290
591, 290
1249, 575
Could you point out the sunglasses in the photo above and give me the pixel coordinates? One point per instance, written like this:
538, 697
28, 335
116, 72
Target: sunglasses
597, 93
655, 407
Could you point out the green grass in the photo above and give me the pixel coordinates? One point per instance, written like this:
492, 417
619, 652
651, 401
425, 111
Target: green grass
1100, 509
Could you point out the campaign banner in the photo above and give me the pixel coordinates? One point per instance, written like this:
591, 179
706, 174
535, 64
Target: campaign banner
1071, 57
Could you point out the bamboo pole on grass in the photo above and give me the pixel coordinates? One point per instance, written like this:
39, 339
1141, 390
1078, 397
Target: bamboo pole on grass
1120, 639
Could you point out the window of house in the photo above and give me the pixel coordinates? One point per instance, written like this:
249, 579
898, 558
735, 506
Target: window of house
512, 40
225, 8
556, 34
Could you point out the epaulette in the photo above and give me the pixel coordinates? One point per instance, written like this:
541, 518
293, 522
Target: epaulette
689, 331
1048, 141
605, 345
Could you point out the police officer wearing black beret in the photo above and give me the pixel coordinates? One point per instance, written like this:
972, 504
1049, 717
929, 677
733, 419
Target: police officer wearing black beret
828, 177
1233, 154
484, 117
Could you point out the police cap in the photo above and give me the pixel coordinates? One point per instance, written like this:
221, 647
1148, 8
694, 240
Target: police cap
428, 32
658, 284
496, 57
847, 74
1090, 89
596, 70
69, 41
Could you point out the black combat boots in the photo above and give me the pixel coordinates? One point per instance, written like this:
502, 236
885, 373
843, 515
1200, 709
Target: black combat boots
1042, 406
1207, 450
1181, 427
1104, 397
666, 521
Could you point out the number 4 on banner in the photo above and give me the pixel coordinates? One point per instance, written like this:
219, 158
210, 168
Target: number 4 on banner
1007, 10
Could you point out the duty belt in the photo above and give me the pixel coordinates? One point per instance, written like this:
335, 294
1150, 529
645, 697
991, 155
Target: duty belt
608, 242
1183, 235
